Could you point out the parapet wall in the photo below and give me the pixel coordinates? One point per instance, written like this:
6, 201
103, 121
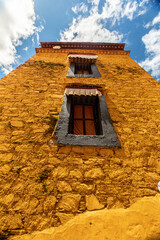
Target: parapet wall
43, 184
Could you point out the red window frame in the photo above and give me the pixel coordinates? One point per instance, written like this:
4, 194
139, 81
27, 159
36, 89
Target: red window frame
81, 124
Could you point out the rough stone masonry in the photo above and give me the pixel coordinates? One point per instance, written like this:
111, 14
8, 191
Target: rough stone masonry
43, 184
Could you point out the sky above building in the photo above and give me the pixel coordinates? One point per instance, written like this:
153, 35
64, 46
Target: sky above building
26, 23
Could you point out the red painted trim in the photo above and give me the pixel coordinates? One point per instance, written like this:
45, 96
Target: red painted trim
84, 45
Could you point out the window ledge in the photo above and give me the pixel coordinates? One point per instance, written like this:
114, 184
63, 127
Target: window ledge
89, 140
82, 75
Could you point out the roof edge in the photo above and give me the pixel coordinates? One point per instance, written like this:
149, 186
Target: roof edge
83, 45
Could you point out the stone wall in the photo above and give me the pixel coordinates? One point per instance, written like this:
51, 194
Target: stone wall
140, 221
43, 184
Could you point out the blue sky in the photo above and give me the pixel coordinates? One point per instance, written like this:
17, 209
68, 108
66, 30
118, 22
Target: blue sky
26, 23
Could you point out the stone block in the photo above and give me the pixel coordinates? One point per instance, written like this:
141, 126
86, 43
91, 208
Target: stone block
53, 160
49, 203
17, 124
63, 186
60, 172
95, 173
33, 204
9, 222
7, 200
6, 157
94, 161
3, 138
65, 149
18, 133
75, 174
69, 202
82, 188
39, 130
92, 203
119, 173
110, 202
4, 147
106, 152
21, 206
5, 169
74, 160
64, 217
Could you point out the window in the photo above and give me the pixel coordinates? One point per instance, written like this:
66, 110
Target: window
84, 116
83, 66
84, 119
84, 69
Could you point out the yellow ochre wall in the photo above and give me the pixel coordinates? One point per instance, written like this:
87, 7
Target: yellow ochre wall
44, 185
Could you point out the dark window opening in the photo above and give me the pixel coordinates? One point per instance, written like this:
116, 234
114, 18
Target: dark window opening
84, 69
85, 116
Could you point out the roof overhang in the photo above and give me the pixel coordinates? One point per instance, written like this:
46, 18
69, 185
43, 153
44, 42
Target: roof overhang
83, 45
81, 91
82, 58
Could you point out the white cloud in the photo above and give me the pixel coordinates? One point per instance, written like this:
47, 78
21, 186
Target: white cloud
152, 43
80, 7
25, 49
88, 30
118, 9
143, 2
155, 21
94, 2
17, 22
94, 26
7, 69
129, 9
